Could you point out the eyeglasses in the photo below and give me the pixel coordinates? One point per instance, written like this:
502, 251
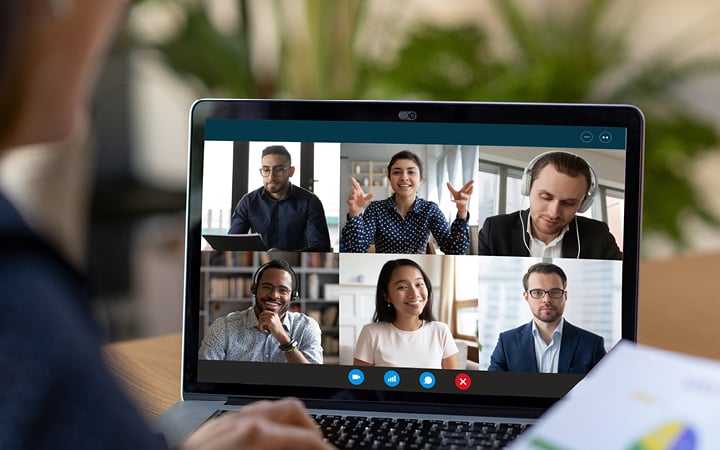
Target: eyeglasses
277, 170
267, 288
540, 293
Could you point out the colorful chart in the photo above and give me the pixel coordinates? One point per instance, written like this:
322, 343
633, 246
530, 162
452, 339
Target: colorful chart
642, 399
672, 436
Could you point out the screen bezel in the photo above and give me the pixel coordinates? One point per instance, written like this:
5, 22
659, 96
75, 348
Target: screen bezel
626, 116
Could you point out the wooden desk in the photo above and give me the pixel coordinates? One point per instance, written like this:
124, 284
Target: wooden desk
679, 310
150, 371
680, 304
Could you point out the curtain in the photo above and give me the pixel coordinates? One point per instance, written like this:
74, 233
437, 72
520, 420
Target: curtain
447, 293
470, 155
441, 167
453, 164
458, 165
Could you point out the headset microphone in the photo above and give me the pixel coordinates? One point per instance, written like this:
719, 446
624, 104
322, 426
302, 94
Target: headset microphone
577, 233
276, 264
526, 182
522, 223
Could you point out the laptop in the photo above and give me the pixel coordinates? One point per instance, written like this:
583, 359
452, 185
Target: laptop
476, 296
235, 242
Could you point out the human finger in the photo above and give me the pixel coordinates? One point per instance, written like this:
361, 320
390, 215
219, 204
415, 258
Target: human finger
468, 187
264, 319
355, 185
452, 189
457, 195
254, 431
267, 316
289, 411
461, 202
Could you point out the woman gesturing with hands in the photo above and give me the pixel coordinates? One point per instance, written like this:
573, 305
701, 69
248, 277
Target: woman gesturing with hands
402, 223
358, 199
461, 197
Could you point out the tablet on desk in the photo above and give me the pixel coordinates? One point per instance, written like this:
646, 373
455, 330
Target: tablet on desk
236, 242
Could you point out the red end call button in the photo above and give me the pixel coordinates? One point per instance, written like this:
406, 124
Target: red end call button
462, 381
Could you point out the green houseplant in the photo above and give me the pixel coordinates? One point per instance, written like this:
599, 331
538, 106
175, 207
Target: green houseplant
555, 57
569, 58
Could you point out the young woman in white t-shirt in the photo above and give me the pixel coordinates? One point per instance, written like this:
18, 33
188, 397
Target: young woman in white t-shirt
404, 332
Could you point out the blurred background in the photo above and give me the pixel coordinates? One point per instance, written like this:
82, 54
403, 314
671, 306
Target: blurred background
125, 217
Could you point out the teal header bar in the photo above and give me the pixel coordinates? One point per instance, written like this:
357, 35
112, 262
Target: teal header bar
606, 138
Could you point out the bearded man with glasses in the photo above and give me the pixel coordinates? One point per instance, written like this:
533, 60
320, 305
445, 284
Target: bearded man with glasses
267, 331
288, 217
549, 343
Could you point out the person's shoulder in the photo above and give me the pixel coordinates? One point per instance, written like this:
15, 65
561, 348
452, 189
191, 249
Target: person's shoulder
10, 219
255, 192
376, 327
236, 316
384, 203
438, 328
31, 268
252, 195
235, 320
40, 290
17, 239
301, 319
524, 328
382, 206
300, 192
437, 325
588, 223
504, 219
582, 332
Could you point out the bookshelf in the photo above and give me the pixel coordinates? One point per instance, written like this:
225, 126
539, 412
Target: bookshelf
226, 278
372, 176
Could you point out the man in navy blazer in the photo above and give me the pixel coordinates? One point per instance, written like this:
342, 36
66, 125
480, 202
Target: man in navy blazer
548, 343
558, 185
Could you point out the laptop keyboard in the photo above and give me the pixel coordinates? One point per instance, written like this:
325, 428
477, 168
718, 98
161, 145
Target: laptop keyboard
388, 433
359, 432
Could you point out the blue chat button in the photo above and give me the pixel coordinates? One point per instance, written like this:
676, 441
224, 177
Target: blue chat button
427, 380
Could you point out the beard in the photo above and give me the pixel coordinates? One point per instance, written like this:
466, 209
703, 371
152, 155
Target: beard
548, 315
261, 306
276, 186
539, 223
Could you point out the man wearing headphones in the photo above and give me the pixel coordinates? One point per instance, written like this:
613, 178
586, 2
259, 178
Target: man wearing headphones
558, 185
267, 331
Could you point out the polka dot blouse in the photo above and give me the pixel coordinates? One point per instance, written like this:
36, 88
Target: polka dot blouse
382, 224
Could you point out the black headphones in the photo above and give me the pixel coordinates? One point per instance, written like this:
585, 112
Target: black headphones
526, 181
277, 264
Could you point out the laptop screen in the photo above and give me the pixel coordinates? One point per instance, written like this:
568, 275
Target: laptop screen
423, 253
